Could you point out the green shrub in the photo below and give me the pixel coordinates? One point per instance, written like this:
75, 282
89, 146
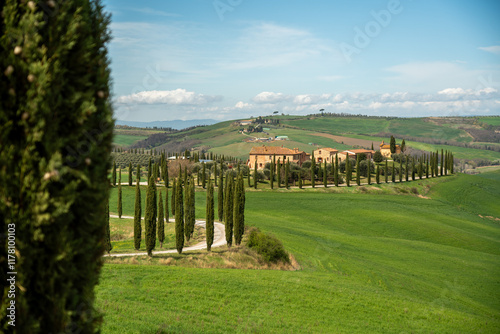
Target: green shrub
268, 246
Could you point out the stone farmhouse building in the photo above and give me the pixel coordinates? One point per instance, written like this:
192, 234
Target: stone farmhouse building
265, 154
325, 154
385, 150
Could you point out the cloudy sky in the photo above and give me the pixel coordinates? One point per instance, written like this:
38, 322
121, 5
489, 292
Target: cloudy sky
228, 59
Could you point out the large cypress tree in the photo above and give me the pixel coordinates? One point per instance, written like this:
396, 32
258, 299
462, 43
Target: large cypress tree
179, 216
209, 220
377, 177
278, 173
406, 168
189, 211
287, 173
255, 176
150, 169
348, 170
239, 210
150, 216
228, 209
161, 223
392, 145
220, 196
167, 214
271, 172
114, 173
313, 169
215, 173
325, 175
109, 247
130, 176
203, 177
400, 170
369, 171
300, 179
138, 176
386, 171
442, 163
336, 170
55, 144
393, 174
358, 174
119, 200
137, 217
174, 195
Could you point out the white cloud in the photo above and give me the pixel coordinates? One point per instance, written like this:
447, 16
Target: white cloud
270, 97
242, 105
171, 97
495, 49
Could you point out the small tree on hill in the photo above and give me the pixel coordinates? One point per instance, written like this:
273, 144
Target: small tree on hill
255, 176
392, 145
189, 211
378, 157
167, 213
300, 179
220, 196
386, 172
228, 209
239, 210
403, 146
377, 177
119, 200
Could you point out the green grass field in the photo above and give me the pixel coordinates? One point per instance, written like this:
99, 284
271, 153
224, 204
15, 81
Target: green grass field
492, 120
371, 263
126, 140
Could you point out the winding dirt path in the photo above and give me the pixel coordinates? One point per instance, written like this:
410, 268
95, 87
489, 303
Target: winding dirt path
219, 240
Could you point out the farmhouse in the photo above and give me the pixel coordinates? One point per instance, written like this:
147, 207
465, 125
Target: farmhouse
369, 153
265, 154
325, 154
342, 155
385, 149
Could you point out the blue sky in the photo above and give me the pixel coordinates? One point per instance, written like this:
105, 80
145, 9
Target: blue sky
228, 59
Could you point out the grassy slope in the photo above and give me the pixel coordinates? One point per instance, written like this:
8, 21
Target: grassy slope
126, 140
371, 263
493, 120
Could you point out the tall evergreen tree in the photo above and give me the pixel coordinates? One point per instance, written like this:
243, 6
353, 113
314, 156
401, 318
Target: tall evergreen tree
287, 173
119, 200
278, 173
216, 175
189, 211
209, 220
325, 175
400, 170
392, 145
179, 217
114, 173
413, 169
137, 217
271, 172
239, 210
358, 174
393, 176
386, 172
442, 163
377, 177
161, 223
369, 171
130, 176
150, 216
167, 213
203, 176
255, 176
403, 146
220, 196
138, 172
150, 169
228, 209
313, 169
406, 168
174, 195
336, 171
348, 171
109, 247
300, 179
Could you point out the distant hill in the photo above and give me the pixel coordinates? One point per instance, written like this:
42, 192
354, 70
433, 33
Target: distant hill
176, 124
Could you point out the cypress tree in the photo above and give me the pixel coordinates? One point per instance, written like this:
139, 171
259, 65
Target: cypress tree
130, 176
55, 147
137, 217
271, 172
392, 145
413, 168
406, 168
377, 177
442, 163
278, 173
313, 169
393, 176
138, 176
150, 170
255, 176
203, 177
336, 171
369, 171
239, 210
190, 219
114, 173
209, 225
150, 217
179, 217
421, 168
215, 173
220, 196
386, 170
161, 224
228, 209
358, 174
109, 247
400, 170
119, 200
174, 194
300, 179
348, 171
452, 163
427, 168
325, 175
287, 173
167, 214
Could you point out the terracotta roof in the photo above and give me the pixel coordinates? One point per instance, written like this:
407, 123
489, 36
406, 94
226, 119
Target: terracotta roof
386, 147
329, 149
270, 150
360, 150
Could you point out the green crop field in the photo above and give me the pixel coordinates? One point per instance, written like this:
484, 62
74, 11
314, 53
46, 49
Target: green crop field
126, 140
371, 263
493, 120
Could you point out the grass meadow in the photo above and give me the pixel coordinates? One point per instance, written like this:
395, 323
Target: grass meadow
371, 262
